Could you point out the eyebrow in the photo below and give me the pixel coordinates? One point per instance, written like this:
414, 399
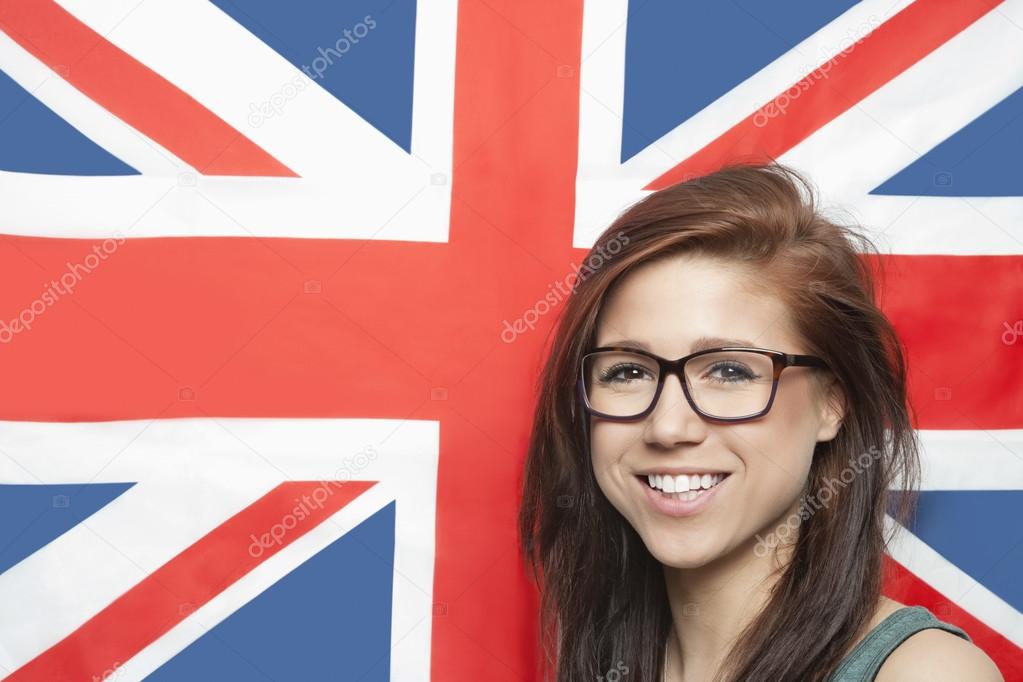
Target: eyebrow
702, 343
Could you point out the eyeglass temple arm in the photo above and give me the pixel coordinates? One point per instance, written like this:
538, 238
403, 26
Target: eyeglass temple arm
804, 361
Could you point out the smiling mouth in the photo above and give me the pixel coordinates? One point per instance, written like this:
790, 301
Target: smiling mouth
682, 487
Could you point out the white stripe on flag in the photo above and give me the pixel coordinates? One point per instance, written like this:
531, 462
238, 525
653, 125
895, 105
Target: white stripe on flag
980, 459
154, 206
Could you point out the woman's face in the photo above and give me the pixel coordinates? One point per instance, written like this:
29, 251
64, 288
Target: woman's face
668, 306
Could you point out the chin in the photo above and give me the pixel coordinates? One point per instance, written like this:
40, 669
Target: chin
685, 560
682, 550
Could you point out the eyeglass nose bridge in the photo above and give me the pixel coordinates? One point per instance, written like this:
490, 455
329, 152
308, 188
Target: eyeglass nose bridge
676, 368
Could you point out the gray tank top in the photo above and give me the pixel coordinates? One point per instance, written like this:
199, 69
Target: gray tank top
863, 662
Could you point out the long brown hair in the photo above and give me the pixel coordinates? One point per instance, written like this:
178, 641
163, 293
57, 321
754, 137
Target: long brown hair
603, 599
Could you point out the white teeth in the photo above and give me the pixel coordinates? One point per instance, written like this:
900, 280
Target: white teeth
684, 483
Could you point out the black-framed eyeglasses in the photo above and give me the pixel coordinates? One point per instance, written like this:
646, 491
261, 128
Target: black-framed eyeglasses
728, 384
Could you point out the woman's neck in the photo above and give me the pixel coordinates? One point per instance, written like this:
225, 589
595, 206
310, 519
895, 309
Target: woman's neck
712, 604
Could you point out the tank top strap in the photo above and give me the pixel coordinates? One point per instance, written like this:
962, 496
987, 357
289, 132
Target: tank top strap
866, 658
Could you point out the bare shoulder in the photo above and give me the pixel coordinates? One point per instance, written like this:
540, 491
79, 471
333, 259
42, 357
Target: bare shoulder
935, 655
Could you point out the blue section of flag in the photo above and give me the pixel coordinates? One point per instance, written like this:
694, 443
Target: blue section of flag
370, 68
33, 139
680, 57
330, 618
976, 531
980, 160
36, 514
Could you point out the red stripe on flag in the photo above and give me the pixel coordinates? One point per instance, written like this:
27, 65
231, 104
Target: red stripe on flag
161, 330
195, 576
890, 49
957, 317
904, 586
133, 92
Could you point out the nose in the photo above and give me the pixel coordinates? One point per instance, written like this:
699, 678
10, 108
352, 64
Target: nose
673, 419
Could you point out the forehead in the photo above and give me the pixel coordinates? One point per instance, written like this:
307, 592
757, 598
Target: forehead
669, 304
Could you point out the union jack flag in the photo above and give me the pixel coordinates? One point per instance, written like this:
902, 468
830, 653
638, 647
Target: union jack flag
264, 418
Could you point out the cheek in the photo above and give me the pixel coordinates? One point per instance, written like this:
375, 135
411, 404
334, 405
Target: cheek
794, 418
606, 446
778, 451
608, 443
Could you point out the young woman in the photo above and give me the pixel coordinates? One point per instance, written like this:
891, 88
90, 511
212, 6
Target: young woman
720, 418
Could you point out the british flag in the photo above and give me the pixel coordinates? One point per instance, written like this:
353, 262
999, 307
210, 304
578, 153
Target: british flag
262, 418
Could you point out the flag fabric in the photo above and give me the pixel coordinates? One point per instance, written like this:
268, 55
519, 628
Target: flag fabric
277, 279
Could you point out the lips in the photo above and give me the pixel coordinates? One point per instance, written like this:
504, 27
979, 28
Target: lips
681, 504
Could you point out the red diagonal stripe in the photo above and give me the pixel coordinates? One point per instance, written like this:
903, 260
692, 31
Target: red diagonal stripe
205, 569
890, 49
133, 92
904, 586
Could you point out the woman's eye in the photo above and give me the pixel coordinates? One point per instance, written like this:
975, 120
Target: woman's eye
731, 373
625, 373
